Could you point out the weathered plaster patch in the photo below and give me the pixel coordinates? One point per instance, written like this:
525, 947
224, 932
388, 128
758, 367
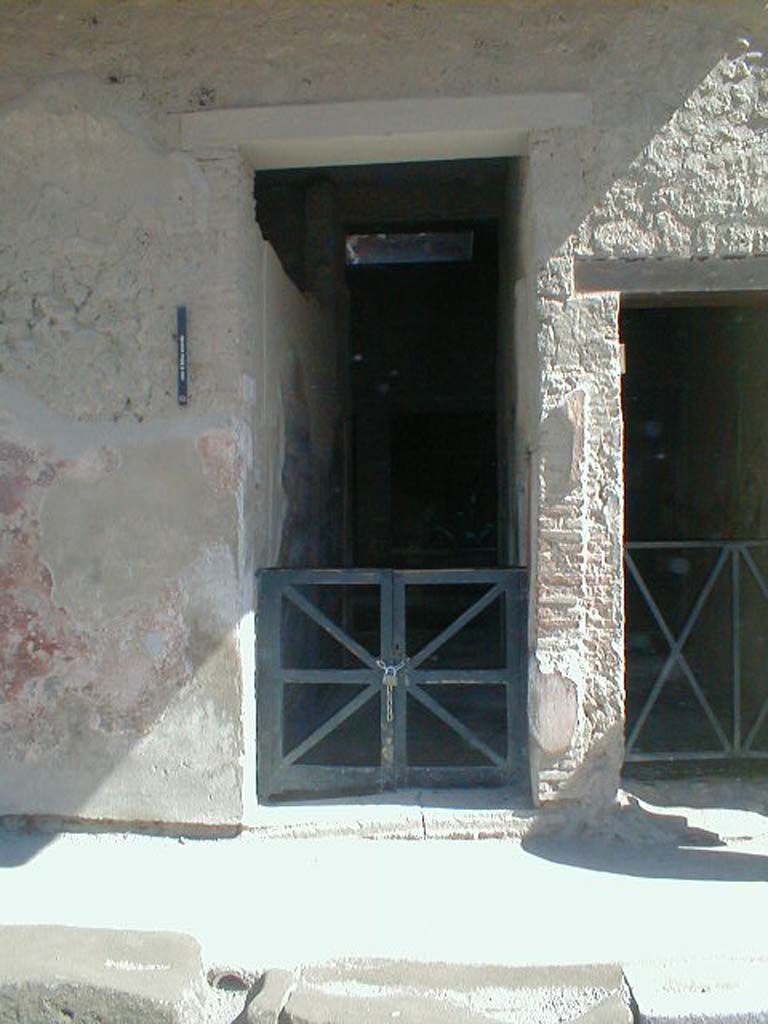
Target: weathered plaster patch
209, 587
698, 187
562, 447
554, 712
95, 222
222, 460
114, 542
37, 637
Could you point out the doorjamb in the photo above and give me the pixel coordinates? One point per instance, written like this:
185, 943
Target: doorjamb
381, 131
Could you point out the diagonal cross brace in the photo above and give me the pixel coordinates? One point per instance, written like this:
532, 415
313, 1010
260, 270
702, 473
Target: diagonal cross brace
331, 724
457, 625
676, 650
458, 726
761, 716
329, 626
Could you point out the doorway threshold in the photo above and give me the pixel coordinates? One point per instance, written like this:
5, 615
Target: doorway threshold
500, 813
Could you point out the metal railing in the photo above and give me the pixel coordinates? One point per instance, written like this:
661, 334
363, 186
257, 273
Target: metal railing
735, 728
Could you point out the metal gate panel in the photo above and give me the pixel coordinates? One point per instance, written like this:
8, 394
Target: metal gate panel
374, 679
439, 687
728, 641
287, 618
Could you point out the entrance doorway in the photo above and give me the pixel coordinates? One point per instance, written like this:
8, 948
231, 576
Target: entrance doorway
696, 530
398, 660
423, 353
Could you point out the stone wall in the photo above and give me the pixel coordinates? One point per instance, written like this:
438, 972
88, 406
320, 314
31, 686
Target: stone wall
695, 190
127, 547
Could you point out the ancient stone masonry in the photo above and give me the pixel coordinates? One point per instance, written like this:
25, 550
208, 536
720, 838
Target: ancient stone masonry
131, 527
697, 190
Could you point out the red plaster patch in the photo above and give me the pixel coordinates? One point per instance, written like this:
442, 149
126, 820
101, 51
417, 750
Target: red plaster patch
20, 470
34, 637
222, 461
34, 634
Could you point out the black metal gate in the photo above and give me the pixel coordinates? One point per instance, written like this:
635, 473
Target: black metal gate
378, 679
697, 651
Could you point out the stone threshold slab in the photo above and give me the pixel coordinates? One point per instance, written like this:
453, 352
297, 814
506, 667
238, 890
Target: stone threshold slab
410, 814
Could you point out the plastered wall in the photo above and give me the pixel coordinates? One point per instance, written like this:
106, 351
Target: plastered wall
123, 545
131, 527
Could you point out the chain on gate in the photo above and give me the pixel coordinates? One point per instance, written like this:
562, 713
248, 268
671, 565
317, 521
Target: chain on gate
389, 682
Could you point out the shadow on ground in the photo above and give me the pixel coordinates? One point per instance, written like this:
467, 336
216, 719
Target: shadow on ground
17, 849
642, 843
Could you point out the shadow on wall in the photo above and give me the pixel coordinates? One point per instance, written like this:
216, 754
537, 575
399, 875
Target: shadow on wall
121, 589
311, 483
670, 173
120, 698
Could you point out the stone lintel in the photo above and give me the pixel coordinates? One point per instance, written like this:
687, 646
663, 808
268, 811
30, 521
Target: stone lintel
420, 128
671, 281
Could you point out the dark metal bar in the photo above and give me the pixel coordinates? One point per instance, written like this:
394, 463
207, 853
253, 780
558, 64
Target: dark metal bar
268, 692
676, 647
681, 755
329, 626
665, 545
736, 647
758, 723
326, 577
758, 576
460, 676
332, 723
455, 776
458, 727
399, 635
300, 779
319, 676
182, 367
458, 624
757, 726
388, 728
415, 577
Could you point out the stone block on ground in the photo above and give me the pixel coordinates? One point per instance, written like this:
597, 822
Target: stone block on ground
702, 990
268, 997
53, 975
383, 992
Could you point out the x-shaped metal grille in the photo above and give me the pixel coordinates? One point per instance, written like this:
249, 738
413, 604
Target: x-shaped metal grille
727, 554
390, 671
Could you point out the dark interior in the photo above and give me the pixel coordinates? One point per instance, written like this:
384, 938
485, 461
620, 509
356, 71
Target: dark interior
696, 449
423, 362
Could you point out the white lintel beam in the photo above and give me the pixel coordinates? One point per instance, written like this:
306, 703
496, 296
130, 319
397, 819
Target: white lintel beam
382, 130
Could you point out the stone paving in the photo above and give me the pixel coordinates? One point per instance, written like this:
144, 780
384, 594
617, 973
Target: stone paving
675, 896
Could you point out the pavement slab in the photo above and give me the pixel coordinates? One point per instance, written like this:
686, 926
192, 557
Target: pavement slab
383, 992
701, 990
55, 975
